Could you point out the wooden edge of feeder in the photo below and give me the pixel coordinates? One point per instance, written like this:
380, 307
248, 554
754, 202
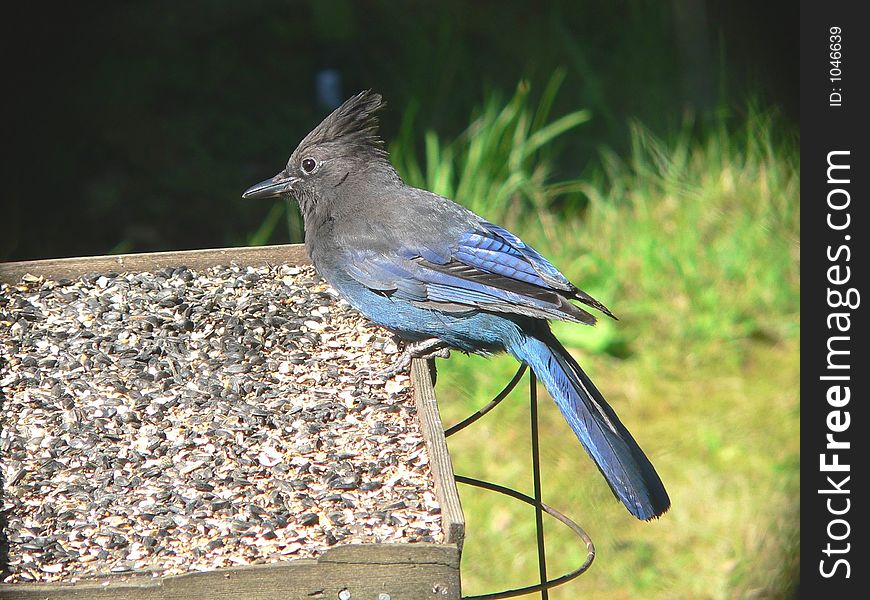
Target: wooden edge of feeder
375, 565
418, 570
452, 519
70, 268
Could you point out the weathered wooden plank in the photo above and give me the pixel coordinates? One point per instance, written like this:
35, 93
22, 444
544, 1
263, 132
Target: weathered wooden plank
452, 519
70, 268
393, 554
403, 571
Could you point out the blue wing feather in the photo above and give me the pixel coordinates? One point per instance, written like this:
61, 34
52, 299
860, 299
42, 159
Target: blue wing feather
489, 268
549, 275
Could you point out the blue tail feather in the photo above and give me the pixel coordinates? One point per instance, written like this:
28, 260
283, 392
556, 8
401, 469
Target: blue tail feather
626, 468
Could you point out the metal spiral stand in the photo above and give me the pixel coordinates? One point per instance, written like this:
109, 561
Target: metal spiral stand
540, 507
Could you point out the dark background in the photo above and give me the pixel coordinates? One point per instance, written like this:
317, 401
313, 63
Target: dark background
135, 126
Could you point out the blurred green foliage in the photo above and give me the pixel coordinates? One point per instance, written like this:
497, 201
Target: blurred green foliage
501, 163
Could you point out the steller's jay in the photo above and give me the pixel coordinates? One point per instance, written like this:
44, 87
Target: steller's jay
441, 277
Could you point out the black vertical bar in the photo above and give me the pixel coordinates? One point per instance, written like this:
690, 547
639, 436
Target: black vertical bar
536, 476
834, 191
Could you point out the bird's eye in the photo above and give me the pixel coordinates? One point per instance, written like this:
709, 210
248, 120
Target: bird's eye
308, 165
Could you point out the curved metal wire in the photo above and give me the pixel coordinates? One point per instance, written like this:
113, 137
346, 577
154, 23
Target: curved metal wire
490, 405
551, 583
536, 501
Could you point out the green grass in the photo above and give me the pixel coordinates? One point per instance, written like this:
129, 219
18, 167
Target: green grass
694, 242
725, 443
500, 164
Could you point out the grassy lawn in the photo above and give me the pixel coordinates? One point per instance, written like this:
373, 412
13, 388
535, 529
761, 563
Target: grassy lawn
725, 441
694, 243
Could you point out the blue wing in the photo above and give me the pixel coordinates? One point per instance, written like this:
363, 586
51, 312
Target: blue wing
498, 251
488, 268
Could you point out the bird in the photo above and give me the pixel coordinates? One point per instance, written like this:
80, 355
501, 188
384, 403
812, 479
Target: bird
441, 277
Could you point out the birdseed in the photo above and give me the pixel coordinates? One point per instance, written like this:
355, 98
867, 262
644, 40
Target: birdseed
183, 421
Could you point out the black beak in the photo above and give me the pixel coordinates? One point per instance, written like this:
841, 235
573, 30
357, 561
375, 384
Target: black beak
279, 184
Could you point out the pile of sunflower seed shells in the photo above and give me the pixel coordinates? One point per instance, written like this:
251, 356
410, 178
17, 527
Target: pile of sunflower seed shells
186, 421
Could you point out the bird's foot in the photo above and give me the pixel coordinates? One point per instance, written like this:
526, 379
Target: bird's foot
428, 348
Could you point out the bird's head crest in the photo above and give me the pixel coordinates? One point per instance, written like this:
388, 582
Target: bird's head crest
353, 124
346, 141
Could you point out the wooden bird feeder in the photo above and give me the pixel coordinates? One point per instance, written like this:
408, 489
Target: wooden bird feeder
376, 571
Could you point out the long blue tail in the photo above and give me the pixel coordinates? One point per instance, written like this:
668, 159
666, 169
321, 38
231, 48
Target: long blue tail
628, 471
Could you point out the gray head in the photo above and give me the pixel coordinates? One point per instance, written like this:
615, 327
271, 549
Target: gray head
345, 143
